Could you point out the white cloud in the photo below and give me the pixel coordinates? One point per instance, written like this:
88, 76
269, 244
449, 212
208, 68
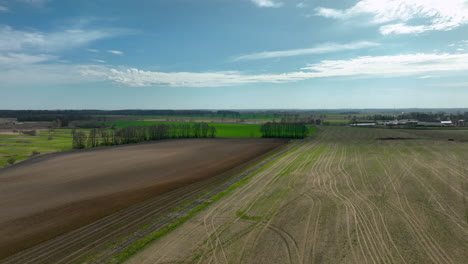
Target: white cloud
34, 2
17, 40
401, 28
397, 65
99, 61
46, 74
426, 77
93, 50
115, 52
323, 48
370, 66
267, 3
16, 59
395, 14
301, 5
3, 8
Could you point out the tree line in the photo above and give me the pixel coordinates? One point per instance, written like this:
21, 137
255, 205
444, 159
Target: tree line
135, 112
284, 130
61, 120
136, 134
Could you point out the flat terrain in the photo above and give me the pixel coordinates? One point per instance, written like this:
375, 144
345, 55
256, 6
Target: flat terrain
222, 130
20, 146
51, 195
350, 195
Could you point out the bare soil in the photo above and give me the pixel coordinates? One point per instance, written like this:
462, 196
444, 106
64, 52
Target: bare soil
50, 195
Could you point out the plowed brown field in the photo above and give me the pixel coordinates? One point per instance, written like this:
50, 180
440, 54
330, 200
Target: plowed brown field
51, 195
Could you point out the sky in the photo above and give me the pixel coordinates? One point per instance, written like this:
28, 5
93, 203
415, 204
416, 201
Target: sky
233, 54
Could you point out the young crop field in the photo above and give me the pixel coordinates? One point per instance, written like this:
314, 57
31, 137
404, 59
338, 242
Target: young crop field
222, 130
349, 195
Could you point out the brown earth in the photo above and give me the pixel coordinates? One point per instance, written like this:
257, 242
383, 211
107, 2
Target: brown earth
53, 194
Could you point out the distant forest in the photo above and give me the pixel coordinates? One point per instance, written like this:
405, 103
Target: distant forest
44, 113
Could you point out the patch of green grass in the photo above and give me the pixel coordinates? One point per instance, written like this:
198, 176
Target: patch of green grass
222, 130
312, 130
21, 146
338, 121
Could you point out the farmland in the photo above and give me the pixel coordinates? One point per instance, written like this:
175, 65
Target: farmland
350, 195
127, 175
20, 146
222, 130
354, 195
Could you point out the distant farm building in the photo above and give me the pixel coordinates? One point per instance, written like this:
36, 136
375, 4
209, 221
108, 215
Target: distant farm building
363, 124
436, 124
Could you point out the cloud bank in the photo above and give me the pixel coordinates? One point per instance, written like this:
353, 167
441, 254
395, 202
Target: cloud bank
324, 48
399, 15
267, 3
370, 66
16, 40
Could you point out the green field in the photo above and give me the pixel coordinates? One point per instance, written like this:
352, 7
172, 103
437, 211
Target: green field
20, 146
222, 130
337, 121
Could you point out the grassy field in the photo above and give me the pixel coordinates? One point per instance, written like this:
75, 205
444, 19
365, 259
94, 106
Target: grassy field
20, 146
222, 130
337, 121
350, 195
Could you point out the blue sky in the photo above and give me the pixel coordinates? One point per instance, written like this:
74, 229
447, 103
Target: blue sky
233, 54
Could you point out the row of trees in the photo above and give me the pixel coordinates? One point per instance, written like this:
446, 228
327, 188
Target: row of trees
136, 112
284, 130
136, 134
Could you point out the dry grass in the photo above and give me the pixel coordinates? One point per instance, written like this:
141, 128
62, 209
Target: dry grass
344, 197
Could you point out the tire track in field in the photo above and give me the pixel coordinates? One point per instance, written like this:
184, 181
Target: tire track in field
408, 219
215, 206
368, 234
325, 174
380, 244
219, 206
425, 240
310, 241
274, 209
372, 207
291, 161
438, 199
245, 193
330, 183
